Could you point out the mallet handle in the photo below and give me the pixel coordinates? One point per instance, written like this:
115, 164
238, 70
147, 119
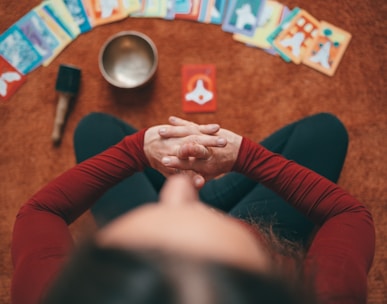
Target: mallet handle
60, 117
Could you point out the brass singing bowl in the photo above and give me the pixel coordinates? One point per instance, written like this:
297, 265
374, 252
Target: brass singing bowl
128, 59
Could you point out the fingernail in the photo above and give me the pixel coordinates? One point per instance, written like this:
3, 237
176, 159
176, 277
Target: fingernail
166, 160
221, 141
163, 130
197, 181
214, 127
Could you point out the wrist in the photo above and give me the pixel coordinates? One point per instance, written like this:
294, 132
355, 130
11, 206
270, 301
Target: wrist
136, 144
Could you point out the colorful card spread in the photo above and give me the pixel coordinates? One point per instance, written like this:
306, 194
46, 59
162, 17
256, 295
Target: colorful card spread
199, 91
39, 36
325, 53
10, 80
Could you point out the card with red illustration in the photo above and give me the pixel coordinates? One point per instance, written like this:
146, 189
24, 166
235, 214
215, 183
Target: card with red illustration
10, 80
199, 90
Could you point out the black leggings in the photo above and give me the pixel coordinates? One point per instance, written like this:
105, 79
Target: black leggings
318, 142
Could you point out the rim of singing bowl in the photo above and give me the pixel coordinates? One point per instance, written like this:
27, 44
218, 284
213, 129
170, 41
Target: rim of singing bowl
133, 41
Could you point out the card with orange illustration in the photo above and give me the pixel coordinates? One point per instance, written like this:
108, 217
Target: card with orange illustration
325, 53
297, 36
105, 11
199, 91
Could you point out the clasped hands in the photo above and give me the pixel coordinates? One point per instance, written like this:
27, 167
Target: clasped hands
200, 151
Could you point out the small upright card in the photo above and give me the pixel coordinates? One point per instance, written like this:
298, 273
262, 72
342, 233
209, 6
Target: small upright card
242, 16
297, 36
10, 80
328, 48
199, 91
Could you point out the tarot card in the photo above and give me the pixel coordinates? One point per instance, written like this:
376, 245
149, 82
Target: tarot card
199, 93
191, 9
10, 79
183, 6
297, 36
78, 12
18, 50
131, 6
271, 50
242, 16
217, 11
38, 33
104, 11
205, 11
58, 32
268, 21
170, 10
61, 15
285, 23
328, 48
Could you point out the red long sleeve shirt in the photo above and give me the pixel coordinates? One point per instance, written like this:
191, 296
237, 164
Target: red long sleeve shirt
341, 253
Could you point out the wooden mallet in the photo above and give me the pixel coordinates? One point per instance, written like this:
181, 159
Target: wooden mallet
67, 85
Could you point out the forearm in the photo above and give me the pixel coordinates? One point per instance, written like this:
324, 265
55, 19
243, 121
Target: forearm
312, 194
73, 192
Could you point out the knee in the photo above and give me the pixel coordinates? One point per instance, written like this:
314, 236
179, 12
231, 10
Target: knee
93, 117
332, 124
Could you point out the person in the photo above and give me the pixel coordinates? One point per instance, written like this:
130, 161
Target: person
222, 230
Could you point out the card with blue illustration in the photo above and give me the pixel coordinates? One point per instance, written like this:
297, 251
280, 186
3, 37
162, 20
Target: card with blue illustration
78, 12
56, 29
269, 20
59, 12
183, 6
242, 16
211, 11
19, 51
38, 33
217, 11
170, 10
188, 10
